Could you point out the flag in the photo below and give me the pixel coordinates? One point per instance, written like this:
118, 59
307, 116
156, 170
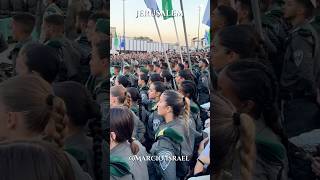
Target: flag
152, 5
116, 41
206, 16
123, 43
207, 37
167, 8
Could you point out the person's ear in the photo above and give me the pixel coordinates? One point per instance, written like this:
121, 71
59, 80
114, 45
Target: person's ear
12, 120
232, 56
113, 136
169, 109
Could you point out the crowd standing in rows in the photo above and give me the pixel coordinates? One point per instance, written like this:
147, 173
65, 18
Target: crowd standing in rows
54, 102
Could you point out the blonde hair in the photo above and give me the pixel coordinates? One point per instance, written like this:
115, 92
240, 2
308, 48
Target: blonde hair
122, 95
33, 96
230, 129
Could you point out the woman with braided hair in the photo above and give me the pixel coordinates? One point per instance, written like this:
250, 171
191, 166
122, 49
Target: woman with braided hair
123, 147
252, 88
30, 111
82, 111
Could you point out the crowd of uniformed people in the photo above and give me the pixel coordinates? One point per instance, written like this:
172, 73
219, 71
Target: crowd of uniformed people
159, 108
54, 95
260, 81
265, 89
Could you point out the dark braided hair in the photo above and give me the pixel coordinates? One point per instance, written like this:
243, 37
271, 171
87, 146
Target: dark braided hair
189, 87
81, 111
135, 96
255, 81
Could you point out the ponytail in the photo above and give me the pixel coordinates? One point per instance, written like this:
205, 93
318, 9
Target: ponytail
186, 113
134, 147
57, 114
247, 144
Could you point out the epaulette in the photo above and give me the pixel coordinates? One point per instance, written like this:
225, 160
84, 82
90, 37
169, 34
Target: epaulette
194, 108
54, 44
118, 166
271, 150
305, 32
170, 133
79, 155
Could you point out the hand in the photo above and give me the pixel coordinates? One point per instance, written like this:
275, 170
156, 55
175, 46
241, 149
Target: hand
316, 165
201, 146
204, 159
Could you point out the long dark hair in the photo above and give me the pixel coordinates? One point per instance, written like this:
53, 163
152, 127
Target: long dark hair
81, 108
255, 81
135, 96
242, 39
35, 54
121, 123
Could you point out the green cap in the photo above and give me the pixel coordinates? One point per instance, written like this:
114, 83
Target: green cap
102, 25
144, 70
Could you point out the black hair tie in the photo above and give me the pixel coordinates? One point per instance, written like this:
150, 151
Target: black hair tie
130, 140
50, 100
236, 119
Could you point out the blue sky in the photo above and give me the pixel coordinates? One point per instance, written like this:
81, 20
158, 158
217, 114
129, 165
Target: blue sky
145, 26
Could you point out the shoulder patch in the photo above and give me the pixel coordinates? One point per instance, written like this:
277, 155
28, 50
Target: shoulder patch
298, 57
164, 159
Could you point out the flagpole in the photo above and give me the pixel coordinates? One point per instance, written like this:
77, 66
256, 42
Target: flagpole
185, 34
199, 29
165, 53
124, 26
175, 26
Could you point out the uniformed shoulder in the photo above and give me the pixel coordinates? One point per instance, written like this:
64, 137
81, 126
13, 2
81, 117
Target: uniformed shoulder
118, 166
194, 108
54, 44
76, 153
304, 31
170, 133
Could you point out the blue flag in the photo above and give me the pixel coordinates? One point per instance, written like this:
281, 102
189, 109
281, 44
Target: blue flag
123, 43
152, 5
206, 16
